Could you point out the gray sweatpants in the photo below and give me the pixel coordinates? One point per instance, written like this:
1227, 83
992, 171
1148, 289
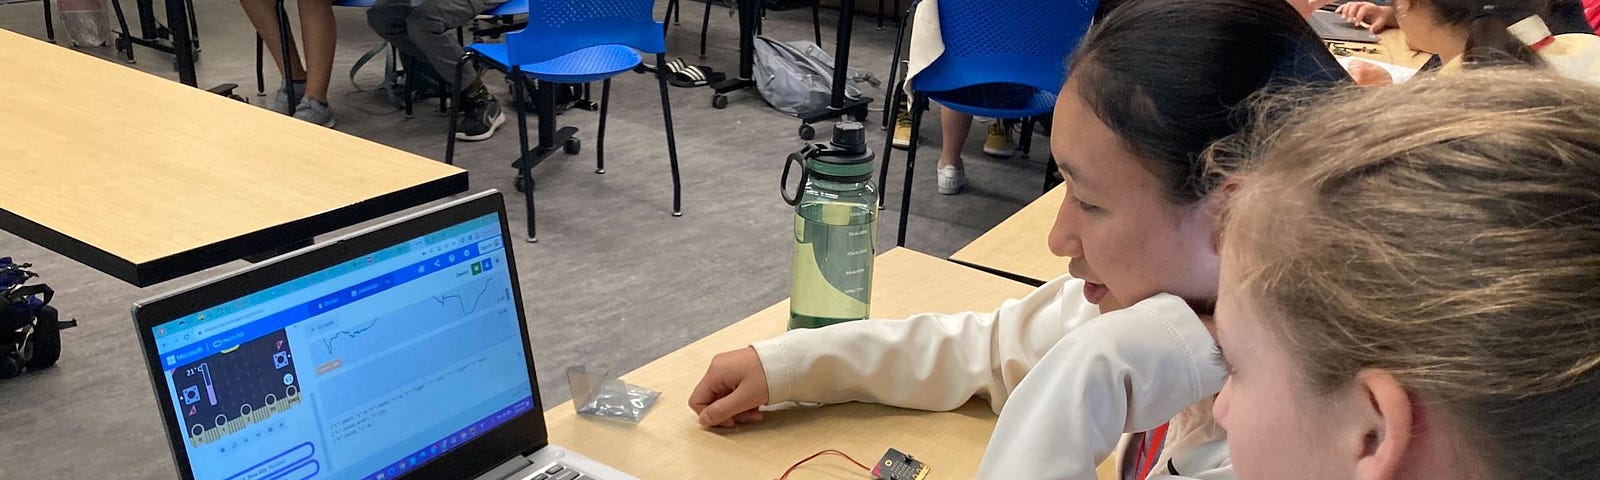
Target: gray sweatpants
424, 30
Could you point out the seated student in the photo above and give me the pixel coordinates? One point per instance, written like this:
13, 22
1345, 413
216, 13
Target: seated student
1068, 375
1463, 32
1427, 309
308, 82
424, 29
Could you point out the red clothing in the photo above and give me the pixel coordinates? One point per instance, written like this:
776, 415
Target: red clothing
1591, 11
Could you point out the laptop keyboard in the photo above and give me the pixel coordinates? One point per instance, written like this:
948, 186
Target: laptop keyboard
558, 472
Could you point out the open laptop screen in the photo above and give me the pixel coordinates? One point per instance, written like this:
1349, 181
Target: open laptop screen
363, 370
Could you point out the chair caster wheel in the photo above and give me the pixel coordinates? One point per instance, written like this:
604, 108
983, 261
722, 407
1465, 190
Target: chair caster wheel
719, 101
572, 147
807, 132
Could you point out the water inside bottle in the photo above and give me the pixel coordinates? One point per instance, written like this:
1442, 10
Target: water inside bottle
833, 253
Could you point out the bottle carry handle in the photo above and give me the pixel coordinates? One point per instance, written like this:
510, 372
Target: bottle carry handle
800, 158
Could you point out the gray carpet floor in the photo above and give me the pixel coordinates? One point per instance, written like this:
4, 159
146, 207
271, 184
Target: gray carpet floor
614, 279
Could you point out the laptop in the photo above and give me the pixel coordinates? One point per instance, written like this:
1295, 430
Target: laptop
398, 352
1332, 26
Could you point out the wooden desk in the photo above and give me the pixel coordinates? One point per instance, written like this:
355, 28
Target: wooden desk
1392, 48
670, 444
1018, 247
148, 180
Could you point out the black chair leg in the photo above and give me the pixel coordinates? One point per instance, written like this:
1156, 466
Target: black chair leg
918, 103
894, 68
888, 145
1027, 136
1049, 173
600, 134
261, 78
880, 13
283, 41
49, 24
816, 21
450, 133
672, 142
124, 39
705, 24
524, 164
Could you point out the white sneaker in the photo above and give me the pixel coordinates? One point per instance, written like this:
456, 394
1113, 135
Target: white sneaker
951, 179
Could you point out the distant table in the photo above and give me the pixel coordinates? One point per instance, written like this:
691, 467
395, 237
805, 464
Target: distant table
1392, 48
669, 444
148, 180
1018, 247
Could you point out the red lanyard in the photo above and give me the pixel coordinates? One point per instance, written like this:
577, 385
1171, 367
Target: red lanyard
1539, 45
1149, 449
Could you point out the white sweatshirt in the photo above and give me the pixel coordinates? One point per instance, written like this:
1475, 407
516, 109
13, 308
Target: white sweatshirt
1067, 381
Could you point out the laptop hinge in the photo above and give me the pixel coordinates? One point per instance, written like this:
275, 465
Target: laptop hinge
505, 470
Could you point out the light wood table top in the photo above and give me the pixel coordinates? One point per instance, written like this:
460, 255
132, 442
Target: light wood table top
1392, 48
147, 179
1018, 247
669, 444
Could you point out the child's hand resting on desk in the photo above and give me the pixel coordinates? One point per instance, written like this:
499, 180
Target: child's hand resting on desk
734, 387
1368, 75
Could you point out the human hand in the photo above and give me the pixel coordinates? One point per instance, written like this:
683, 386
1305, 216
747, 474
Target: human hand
1368, 75
734, 387
1376, 17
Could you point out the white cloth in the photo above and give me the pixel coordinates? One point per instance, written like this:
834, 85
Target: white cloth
1067, 381
927, 40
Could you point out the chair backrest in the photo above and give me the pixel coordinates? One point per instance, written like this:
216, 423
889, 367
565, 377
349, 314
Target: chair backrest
559, 27
1023, 42
512, 7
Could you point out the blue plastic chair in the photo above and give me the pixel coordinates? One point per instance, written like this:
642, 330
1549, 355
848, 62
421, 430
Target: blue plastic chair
1002, 59
570, 42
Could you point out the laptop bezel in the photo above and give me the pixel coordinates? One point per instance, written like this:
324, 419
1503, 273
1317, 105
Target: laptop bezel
522, 434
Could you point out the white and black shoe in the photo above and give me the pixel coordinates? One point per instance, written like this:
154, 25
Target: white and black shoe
481, 116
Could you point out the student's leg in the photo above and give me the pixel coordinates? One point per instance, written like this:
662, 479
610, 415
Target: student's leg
319, 31
388, 19
954, 126
264, 16
430, 27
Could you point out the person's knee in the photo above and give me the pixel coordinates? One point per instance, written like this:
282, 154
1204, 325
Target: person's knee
425, 21
387, 20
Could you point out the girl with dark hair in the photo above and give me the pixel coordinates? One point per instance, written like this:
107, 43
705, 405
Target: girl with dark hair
1465, 33
1118, 352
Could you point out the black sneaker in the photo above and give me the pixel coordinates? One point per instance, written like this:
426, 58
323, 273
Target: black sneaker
481, 116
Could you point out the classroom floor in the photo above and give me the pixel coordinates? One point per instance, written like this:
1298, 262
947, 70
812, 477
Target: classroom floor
614, 279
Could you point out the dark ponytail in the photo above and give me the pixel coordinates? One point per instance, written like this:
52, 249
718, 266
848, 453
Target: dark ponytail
1488, 41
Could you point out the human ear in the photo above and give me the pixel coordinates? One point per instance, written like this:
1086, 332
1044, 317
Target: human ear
1385, 420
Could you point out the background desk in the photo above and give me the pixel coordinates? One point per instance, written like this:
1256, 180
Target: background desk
1392, 48
148, 180
1019, 246
670, 444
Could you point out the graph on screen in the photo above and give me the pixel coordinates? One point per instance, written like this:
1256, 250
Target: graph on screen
366, 333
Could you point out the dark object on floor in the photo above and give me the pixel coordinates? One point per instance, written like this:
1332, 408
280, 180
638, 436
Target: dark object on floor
30, 330
692, 76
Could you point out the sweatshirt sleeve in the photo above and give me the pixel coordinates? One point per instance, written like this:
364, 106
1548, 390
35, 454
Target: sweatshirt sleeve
928, 361
1127, 371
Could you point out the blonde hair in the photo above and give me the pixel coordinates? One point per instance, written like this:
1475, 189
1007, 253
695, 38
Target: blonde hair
1446, 231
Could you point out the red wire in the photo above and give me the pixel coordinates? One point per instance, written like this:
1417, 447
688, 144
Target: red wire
830, 451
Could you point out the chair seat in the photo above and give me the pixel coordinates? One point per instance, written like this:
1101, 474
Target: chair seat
586, 65
997, 100
512, 7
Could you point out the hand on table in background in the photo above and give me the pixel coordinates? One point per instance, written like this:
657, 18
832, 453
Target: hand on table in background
1368, 75
1377, 17
734, 387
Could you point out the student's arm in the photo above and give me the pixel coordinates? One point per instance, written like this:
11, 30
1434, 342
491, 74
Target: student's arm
928, 361
1126, 371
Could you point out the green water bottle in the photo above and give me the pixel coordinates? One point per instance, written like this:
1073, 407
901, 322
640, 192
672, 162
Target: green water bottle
835, 229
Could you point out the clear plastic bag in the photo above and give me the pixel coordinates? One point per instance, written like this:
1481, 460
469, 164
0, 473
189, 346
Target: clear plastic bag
596, 393
85, 22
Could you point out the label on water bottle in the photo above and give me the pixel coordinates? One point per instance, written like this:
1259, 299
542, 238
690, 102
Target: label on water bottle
833, 255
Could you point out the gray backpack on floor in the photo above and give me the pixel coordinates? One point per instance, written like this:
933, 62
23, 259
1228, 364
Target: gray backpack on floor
798, 76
